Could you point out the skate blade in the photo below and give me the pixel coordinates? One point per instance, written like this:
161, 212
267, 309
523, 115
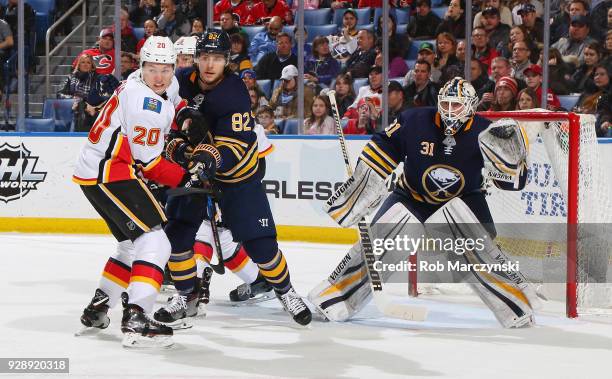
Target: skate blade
179, 324
260, 298
137, 341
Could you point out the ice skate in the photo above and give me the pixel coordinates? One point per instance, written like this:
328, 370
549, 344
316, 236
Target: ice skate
95, 316
139, 331
256, 292
178, 308
295, 306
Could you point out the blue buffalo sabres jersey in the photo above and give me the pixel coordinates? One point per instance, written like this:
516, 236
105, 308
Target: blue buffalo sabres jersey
433, 173
227, 108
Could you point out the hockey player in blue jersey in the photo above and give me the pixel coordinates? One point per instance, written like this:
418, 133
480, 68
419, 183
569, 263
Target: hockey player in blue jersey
219, 100
445, 152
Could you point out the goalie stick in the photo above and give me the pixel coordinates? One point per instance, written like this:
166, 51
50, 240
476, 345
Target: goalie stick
383, 303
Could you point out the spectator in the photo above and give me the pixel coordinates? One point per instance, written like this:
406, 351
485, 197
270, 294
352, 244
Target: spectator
425, 22
197, 27
345, 42
373, 89
533, 78
577, 40
504, 12
256, 99
500, 67
345, 93
250, 80
454, 19
6, 44
582, 78
397, 42
264, 42
336, 4
308, 4
320, 67
527, 99
77, 86
425, 53
559, 73
320, 122
498, 33
172, 21
480, 80
560, 24
516, 19
272, 64
146, 10
241, 8
601, 19
397, 64
193, 9
505, 95
101, 90
264, 11
446, 45
239, 59
481, 49
368, 117
307, 46
607, 51
265, 117
127, 65
230, 25
461, 51
284, 98
128, 39
519, 33
358, 65
150, 27
396, 99
103, 55
520, 59
603, 123
587, 102
422, 92
531, 22
8, 13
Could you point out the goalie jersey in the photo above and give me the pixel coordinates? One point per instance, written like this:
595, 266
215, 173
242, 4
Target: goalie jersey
433, 172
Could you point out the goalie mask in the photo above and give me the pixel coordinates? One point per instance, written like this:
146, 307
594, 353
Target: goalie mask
457, 102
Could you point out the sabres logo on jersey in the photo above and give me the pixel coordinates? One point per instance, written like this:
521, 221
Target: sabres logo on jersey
442, 182
151, 104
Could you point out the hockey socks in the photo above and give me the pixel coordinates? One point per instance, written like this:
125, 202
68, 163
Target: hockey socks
182, 267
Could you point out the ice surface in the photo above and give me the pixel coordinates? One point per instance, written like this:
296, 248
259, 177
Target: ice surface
46, 280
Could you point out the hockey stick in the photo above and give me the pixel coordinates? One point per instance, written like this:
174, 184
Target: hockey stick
219, 268
186, 191
383, 303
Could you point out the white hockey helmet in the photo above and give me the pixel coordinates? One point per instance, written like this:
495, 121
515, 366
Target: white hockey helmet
456, 91
158, 49
186, 45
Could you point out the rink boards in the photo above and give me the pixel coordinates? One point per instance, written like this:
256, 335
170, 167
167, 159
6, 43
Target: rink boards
37, 194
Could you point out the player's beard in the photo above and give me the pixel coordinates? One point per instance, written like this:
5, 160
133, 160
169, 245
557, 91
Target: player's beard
210, 83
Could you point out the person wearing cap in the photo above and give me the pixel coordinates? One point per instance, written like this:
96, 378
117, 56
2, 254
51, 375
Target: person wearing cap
426, 53
504, 12
363, 58
425, 22
559, 26
344, 43
104, 54
284, 98
272, 64
396, 100
498, 33
250, 80
172, 20
266, 9
422, 92
481, 49
368, 120
454, 19
518, 4
533, 78
264, 42
577, 40
505, 95
533, 23
239, 7
373, 89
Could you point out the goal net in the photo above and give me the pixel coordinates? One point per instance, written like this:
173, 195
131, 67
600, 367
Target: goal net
558, 226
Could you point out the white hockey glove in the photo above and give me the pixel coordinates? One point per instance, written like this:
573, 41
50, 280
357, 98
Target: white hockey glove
357, 197
504, 149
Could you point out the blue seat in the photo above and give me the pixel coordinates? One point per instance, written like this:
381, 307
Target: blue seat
266, 86
568, 101
378, 13
410, 63
291, 126
369, 27
314, 31
43, 6
402, 16
252, 30
60, 110
317, 16
437, 3
363, 16
39, 125
138, 33
440, 11
401, 29
358, 83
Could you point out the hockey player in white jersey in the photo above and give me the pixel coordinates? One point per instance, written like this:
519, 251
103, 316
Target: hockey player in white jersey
185, 48
125, 144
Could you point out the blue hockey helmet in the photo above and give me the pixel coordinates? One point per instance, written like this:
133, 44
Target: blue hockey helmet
457, 102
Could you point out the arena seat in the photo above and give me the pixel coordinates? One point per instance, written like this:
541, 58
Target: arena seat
363, 16
138, 33
317, 16
402, 16
410, 63
568, 101
319, 30
60, 110
291, 126
440, 11
45, 10
401, 29
378, 13
266, 86
252, 30
369, 27
358, 83
39, 125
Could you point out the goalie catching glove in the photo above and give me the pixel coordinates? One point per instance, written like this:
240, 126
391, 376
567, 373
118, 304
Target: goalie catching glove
504, 150
357, 197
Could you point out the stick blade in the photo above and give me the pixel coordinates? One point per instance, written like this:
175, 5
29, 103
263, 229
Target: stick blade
399, 310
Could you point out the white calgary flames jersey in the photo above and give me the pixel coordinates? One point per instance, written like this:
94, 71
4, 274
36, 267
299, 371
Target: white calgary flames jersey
264, 146
129, 135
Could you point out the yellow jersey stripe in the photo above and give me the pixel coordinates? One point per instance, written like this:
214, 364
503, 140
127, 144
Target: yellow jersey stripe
380, 152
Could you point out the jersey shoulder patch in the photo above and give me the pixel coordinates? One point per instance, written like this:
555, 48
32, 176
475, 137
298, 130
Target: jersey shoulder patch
151, 104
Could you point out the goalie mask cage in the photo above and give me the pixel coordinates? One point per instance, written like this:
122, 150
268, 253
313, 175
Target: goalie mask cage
568, 193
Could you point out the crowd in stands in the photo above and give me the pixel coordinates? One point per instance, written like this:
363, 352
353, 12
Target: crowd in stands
343, 51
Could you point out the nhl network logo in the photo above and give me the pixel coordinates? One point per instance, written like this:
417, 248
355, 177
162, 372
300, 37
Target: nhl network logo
17, 172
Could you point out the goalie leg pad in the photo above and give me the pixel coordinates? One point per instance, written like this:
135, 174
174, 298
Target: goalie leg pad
506, 292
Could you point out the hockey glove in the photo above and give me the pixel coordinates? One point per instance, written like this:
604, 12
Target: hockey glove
195, 131
179, 151
205, 160
504, 150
